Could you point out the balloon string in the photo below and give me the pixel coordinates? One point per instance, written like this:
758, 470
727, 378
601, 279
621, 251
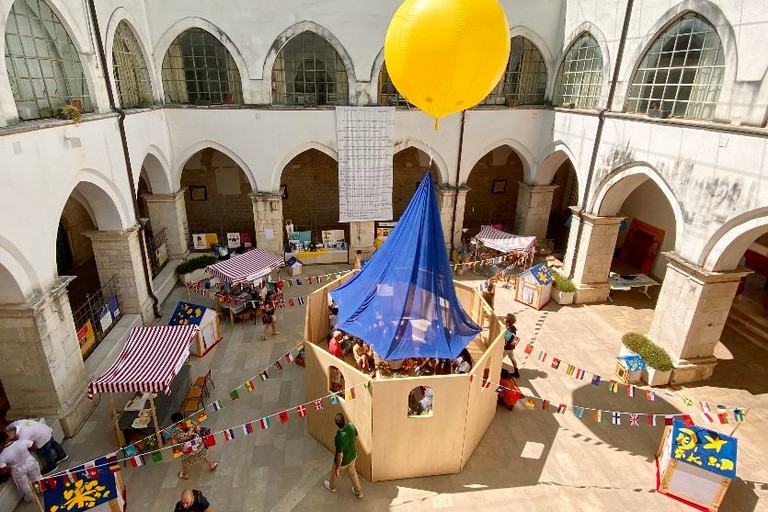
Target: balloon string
437, 124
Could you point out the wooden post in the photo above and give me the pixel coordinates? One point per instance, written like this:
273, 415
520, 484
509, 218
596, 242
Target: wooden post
154, 420
37, 500
115, 424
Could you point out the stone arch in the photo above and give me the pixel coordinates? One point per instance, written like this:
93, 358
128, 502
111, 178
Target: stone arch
80, 39
715, 17
728, 244
310, 26
172, 32
277, 171
614, 188
522, 151
124, 14
158, 171
189, 152
551, 158
373, 90
18, 279
103, 200
436, 157
594, 31
542, 46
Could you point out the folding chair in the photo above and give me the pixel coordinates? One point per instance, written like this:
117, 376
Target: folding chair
202, 383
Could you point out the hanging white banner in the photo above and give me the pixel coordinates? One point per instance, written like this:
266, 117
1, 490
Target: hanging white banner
365, 137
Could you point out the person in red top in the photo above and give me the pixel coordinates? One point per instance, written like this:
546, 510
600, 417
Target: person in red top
508, 393
334, 345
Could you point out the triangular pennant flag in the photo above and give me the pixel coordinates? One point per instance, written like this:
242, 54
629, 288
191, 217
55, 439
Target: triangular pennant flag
288, 357
283, 415
301, 411
634, 419
249, 385
264, 423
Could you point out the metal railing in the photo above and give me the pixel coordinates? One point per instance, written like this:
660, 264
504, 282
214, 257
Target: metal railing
157, 248
97, 316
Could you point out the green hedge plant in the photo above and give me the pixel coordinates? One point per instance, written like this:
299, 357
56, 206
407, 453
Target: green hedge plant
652, 354
562, 283
195, 263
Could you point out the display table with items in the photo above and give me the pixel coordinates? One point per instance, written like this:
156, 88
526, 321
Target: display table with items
332, 249
628, 281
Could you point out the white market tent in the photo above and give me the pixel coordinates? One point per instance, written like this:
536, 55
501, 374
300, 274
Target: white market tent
505, 242
150, 360
248, 266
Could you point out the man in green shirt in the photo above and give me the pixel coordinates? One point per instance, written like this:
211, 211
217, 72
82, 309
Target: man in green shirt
345, 456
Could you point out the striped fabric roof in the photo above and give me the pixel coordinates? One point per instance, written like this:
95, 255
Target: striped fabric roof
246, 267
505, 242
150, 360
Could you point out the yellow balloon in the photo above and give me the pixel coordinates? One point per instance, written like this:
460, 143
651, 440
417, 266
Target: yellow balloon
445, 56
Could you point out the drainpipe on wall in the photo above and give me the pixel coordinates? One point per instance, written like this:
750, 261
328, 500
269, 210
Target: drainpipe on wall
601, 124
458, 172
126, 154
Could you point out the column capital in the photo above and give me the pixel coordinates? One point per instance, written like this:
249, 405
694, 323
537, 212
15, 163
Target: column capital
106, 236
537, 189
165, 198
594, 219
700, 274
260, 197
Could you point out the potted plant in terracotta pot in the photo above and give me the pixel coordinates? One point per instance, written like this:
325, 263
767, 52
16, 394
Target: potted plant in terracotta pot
563, 289
659, 364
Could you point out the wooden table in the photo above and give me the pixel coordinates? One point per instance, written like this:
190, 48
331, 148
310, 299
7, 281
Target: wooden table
641, 281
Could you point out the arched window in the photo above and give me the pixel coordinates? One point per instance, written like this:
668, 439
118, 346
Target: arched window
44, 68
681, 74
388, 94
525, 80
420, 401
199, 70
581, 74
308, 72
131, 75
336, 381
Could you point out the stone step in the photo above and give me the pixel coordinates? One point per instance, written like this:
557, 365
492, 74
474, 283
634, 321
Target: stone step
751, 326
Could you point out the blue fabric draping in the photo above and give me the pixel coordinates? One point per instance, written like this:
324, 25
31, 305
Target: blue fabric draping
403, 302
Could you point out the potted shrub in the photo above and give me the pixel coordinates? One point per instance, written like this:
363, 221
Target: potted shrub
659, 364
193, 269
563, 289
70, 111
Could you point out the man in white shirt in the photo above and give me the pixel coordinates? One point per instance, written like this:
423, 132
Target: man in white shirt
15, 457
41, 436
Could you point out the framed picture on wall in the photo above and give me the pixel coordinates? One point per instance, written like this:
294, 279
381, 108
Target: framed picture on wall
198, 193
498, 186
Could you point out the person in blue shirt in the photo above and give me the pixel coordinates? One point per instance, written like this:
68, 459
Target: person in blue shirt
510, 341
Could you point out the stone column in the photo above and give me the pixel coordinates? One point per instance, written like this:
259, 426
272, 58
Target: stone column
690, 314
268, 214
534, 203
451, 200
119, 253
361, 235
43, 372
169, 211
591, 262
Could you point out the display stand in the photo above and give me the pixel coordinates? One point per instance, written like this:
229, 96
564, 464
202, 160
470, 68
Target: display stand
534, 286
696, 465
206, 319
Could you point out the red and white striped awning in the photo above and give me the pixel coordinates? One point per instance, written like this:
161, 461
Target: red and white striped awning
246, 267
505, 242
150, 360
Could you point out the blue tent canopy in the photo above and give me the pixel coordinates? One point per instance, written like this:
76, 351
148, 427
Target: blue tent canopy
403, 302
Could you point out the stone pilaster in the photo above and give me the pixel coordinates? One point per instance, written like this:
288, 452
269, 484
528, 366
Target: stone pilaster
169, 211
592, 259
119, 253
361, 235
534, 203
43, 372
450, 200
690, 314
268, 214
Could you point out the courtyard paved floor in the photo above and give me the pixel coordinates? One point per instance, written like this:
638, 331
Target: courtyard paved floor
529, 459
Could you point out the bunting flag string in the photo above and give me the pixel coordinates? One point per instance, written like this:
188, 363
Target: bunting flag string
467, 265
92, 469
631, 390
738, 414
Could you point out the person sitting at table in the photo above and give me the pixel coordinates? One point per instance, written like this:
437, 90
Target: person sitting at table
185, 431
426, 366
334, 344
361, 358
442, 367
463, 363
268, 317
